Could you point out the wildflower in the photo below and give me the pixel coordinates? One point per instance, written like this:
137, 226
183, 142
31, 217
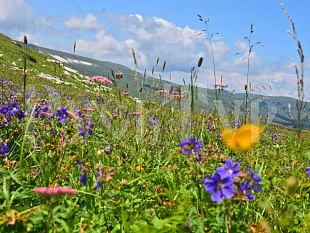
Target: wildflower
246, 190
162, 91
243, 138
4, 149
87, 128
62, 115
254, 180
153, 121
83, 173
220, 185
3, 121
232, 169
308, 172
58, 191
100, 79
43, 111
220, 85
16, 111
119, 75
237, 123
191, 146
8, 112
274, 136
98, 182
250, 184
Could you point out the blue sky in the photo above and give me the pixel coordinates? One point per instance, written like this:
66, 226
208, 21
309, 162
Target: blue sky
107, 30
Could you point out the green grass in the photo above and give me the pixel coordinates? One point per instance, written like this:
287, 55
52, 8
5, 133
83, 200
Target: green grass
147, 183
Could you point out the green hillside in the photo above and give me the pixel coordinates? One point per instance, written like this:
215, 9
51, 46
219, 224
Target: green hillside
66, 70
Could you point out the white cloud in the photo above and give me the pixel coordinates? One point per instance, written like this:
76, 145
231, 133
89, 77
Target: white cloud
90, 22
17, 19
15, 15
153, 37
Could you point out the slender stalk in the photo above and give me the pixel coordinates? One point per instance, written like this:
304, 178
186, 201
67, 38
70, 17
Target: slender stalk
300, 104
24, 73
247, 75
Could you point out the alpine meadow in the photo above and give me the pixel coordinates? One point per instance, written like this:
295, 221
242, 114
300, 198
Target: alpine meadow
89, 146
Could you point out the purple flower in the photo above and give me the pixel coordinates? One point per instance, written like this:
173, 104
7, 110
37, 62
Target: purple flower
254, 180
4, 149
98, 182
308, 172
210, 127
153, 121
9, 111
247, 190
16, 111
3, 121
43, 112
237, 123
232, 169
274, 136
85, 129
250, 184
83, 173
62, 114
220, 185
191, 146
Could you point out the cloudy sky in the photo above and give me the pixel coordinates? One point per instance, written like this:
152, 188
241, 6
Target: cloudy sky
107, 30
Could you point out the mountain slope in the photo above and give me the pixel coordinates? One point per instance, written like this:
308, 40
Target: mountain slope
76, 68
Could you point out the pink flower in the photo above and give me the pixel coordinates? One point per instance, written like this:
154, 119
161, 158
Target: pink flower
100, 79
125, 93
162, 91
220, 85
58, 191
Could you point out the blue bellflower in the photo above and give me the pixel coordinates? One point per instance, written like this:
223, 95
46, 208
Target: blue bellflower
220, 185
4, 149
62, 114
191, 146
233, 169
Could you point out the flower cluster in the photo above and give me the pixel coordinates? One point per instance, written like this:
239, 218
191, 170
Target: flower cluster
274, 136
100, 79
228, 181
308, 172
43, 111
10, 111
58, 191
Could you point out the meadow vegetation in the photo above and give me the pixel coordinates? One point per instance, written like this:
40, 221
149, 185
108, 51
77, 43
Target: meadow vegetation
78, 156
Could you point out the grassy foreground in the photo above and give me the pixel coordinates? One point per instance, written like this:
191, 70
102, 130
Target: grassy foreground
143, 167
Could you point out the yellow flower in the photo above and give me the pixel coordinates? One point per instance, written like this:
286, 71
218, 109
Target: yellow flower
243, 138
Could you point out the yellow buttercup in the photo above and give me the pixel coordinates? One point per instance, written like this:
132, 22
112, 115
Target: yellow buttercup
243, 138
